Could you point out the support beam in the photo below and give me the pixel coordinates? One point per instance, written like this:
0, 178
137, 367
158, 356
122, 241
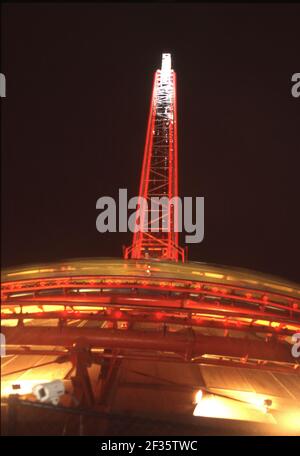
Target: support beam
132, 339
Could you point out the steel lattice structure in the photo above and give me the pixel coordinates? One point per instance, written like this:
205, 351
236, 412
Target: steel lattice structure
156, 230
150, 306
120, 295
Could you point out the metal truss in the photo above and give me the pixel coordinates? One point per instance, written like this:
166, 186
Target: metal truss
156, 229
195, 321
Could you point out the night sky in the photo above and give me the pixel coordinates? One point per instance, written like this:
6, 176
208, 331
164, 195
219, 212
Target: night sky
79, 80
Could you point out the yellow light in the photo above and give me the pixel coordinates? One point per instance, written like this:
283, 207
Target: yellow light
5, 322
52, 308
214, 275
212, 406
33, 271
89, 290
198, 396
291, 421
275, 324
262, 322
18, 295
257, 401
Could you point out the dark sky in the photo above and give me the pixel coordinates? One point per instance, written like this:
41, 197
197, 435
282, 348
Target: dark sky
79, 81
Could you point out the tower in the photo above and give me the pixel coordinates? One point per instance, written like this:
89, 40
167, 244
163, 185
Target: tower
156, 224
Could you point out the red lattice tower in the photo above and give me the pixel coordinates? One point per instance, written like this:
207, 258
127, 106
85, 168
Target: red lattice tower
156, 224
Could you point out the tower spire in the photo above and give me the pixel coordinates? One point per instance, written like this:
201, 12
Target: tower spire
156, 225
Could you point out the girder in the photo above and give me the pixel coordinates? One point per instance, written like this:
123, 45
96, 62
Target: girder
189, 345
156, 233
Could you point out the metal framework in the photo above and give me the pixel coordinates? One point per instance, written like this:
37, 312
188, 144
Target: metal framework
150, 310
213, 316
133, 312
156, 226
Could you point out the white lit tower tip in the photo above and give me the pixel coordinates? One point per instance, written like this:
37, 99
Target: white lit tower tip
166, 63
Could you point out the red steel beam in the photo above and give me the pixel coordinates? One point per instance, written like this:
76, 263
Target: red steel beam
189, 345
151, 303
221, 290
130, 315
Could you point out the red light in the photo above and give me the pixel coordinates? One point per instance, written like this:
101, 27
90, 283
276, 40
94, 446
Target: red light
215, 289
248, 295
118, 314
159, 315
265, 298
